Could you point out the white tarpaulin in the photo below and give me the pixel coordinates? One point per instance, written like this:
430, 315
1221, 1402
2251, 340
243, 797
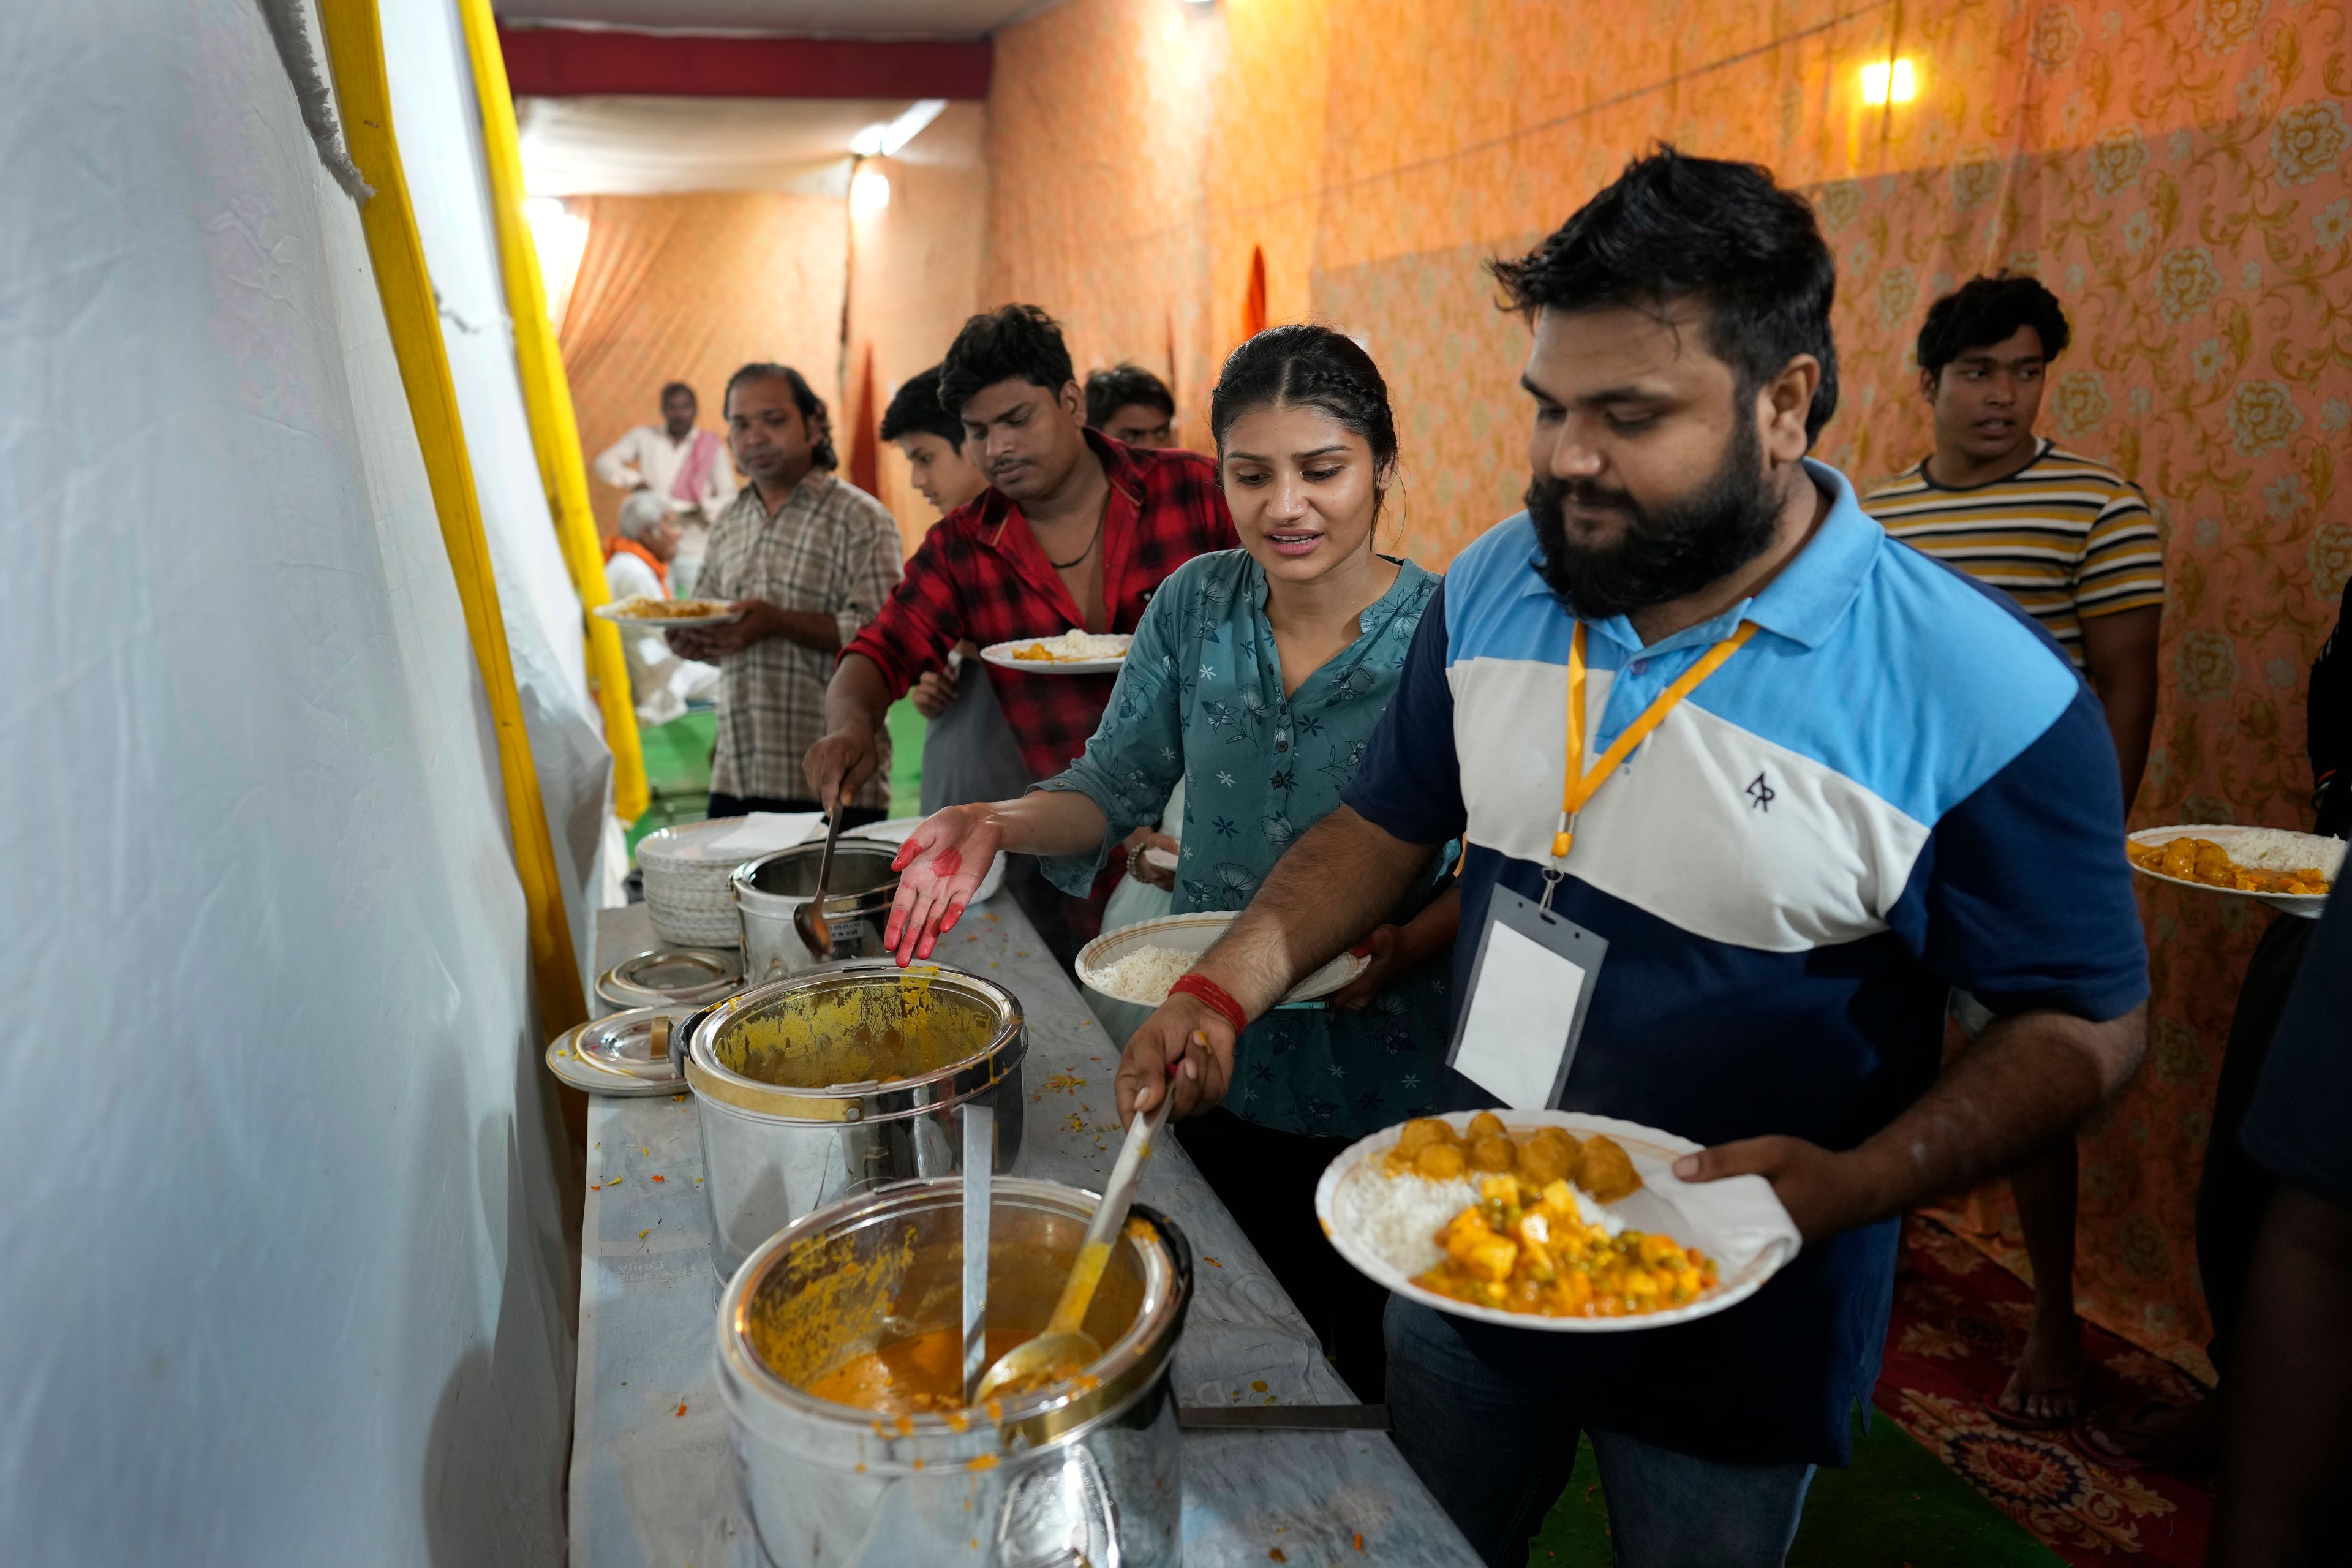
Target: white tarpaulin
280, 1264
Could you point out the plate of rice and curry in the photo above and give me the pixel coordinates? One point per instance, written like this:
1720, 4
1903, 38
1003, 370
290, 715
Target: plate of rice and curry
668, 615
1072, 653
2288, 870
1550, 1220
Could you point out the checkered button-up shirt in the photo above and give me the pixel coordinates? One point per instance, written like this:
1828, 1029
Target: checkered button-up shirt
981, 574
833, 548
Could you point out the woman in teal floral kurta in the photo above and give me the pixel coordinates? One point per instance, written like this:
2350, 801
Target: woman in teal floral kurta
1256, 677
1200, 698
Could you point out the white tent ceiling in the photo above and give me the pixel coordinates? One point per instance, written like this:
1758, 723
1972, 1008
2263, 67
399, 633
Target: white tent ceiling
641, 146
834, 18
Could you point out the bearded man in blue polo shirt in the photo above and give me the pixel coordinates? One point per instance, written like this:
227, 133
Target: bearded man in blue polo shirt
1819, 780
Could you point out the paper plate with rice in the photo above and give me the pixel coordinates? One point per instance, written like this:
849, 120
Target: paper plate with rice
1403, 1229
1137, 963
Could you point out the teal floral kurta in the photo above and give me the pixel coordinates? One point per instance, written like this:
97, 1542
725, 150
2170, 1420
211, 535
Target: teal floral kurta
1200, 698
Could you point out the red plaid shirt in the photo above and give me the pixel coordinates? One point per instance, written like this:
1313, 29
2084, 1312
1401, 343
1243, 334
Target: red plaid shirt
981, 574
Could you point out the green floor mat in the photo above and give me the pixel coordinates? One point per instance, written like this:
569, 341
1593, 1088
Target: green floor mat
1896, 1505
907, 727
677, 754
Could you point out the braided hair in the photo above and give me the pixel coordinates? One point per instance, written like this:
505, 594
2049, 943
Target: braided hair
810, 405
1309, 366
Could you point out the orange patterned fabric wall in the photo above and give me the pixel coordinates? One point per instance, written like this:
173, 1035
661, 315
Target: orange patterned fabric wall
688, 287
917, 275
2173, 168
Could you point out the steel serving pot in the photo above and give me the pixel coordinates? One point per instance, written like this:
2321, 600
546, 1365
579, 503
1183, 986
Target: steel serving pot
771, 889
1086, 1473
832, 1082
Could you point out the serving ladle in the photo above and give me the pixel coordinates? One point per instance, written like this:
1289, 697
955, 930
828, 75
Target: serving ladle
1065, 1347
816, 930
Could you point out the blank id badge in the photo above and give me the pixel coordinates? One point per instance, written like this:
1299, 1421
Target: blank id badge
1531, 985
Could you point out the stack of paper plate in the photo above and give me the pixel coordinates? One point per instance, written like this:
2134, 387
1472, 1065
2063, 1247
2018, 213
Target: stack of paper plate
687, 867
686, 890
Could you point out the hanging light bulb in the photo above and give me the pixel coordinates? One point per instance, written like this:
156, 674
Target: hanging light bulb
869, 192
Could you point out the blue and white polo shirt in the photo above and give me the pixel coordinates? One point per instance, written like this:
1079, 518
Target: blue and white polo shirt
1899, 785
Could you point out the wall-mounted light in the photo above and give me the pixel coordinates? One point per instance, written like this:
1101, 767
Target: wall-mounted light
1889, 82
869, 192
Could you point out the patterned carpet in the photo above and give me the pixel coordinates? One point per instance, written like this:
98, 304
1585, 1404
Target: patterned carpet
1960, 1320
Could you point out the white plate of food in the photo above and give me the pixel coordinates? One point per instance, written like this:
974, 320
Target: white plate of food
1072, 653
2288, 870
898, 829
668, 615
1650, 1250
1137, 963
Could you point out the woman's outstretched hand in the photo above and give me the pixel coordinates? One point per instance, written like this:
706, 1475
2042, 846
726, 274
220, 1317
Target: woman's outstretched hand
940, 868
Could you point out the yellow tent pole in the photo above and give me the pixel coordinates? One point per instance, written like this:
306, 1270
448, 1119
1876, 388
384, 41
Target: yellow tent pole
355, 52
546, 398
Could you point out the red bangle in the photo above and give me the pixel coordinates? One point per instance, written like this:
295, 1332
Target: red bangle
1209, 991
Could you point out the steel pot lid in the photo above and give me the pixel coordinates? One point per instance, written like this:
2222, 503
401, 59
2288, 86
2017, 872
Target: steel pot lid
625, 1054
671, 977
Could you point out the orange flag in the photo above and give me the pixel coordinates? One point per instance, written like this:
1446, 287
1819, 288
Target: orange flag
865, 451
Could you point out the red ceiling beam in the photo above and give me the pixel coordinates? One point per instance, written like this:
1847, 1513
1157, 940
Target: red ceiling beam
559, 62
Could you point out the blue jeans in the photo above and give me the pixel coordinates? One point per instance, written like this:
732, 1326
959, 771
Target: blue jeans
1496, 1454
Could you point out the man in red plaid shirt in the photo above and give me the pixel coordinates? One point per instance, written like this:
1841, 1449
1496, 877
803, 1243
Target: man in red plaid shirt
1076, 530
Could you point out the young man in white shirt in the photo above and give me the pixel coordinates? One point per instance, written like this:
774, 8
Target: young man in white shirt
686, 467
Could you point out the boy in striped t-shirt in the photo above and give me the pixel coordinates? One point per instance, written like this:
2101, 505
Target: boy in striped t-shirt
2073, 543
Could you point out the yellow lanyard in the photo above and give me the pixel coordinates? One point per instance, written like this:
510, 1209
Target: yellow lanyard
1583, 784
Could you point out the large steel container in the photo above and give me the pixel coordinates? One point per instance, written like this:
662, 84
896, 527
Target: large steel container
829, 1083
771, 889
1086, 1473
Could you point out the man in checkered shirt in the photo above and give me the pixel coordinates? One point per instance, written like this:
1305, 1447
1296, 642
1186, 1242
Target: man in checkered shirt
1075, 532
809, 559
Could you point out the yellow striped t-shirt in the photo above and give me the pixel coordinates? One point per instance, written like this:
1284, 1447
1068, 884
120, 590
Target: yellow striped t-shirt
2065, 537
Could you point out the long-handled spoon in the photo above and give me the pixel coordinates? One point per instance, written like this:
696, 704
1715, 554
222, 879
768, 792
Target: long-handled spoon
809, 920
979, 1166
1065, 1347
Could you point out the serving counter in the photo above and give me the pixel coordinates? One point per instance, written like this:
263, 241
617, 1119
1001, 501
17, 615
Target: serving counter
653, 1477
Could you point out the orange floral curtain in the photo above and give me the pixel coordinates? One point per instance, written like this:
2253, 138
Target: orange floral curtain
688, 287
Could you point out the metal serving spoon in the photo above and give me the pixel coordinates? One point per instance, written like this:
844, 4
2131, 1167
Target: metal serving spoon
1065, 1347
816, 930
979, 1177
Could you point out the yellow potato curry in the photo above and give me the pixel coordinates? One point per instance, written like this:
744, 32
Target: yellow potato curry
2202, 861
1525, 1246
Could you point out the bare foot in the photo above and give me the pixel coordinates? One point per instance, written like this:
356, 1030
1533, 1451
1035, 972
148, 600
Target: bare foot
2046, 1388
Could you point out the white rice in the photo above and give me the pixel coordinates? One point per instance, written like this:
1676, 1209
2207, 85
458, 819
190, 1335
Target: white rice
2277, 850
1398, 1217
1073, 645
1145, 975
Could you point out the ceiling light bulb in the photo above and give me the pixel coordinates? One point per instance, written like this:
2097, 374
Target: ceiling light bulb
869, 192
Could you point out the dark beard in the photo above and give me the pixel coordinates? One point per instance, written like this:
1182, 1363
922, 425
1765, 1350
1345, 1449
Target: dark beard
1666, 552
